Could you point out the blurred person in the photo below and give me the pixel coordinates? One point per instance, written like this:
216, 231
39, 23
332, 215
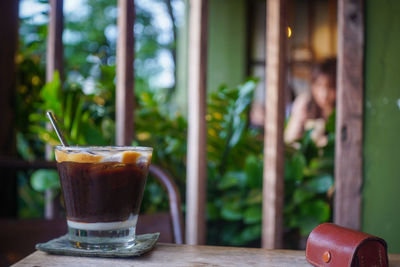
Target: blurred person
312, 109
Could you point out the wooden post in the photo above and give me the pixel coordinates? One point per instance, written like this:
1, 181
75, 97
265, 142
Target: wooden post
349, 126
54, 52
125, 78
274, 121
196, 158
8, 48
54, 62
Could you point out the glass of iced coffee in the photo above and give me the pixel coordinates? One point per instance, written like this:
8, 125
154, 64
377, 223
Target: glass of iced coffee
102, 189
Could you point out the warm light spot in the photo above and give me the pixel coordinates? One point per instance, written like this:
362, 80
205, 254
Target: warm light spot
217, 115
22, 89
99, 100
289, 32
19, 58
35, 58
208, 117
212, 132
35, 80
143, 136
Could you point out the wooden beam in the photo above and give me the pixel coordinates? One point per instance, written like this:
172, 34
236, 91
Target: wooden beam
349, 121
125, 77
274, 121
196, 158
54, 53
54, 62
332, 18
8, 48
311, 27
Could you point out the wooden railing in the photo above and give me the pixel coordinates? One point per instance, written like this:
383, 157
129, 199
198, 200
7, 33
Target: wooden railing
349, 124
196, 173
272, 226
125, 90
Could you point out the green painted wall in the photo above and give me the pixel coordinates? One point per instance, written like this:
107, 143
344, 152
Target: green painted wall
226, 48
181, 88
226, 43
381, 205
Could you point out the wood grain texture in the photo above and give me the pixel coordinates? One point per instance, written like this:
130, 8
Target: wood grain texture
349, 122
22, 235
186, 255
125, 78
273, 196
196, 158
54, 62
181, 255
54, 52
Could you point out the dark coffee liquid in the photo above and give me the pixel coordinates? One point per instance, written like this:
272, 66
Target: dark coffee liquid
101, 192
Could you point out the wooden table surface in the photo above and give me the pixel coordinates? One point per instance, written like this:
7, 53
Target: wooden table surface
185, 255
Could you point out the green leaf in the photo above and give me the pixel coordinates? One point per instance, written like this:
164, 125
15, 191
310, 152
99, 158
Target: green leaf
229, 231
24, 150
254, 196
320, 184
295, 166
251, 233
318, 165
253, 214
50, 95
331, 123
238, 127
300, 196
254, 171
245, 96
306, 225
231, 211
76, 123
232, 179
92, 135
41, 180
312, 214
212, 211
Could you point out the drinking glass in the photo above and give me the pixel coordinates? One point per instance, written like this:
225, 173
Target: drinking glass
102, 188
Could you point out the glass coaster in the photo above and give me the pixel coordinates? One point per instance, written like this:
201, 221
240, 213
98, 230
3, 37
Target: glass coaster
62, 246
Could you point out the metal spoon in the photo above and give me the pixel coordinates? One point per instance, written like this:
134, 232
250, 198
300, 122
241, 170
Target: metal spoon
53, 122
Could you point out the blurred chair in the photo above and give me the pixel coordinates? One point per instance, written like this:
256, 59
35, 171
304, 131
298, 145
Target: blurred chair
19, 236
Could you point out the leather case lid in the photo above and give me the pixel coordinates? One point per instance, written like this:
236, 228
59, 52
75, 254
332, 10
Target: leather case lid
333, 245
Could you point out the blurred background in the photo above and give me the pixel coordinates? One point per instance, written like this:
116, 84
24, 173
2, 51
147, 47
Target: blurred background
87, 103
84, 99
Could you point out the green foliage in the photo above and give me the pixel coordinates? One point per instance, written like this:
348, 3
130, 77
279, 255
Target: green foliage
235, 171
234, 148
41, 180
166, 133
70, 107
234, 154
87, 116
31, 204
30, 80
309, 182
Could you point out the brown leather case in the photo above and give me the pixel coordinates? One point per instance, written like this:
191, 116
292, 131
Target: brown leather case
335, 246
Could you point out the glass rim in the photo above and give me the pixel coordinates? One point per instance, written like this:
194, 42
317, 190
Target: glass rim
103, 148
